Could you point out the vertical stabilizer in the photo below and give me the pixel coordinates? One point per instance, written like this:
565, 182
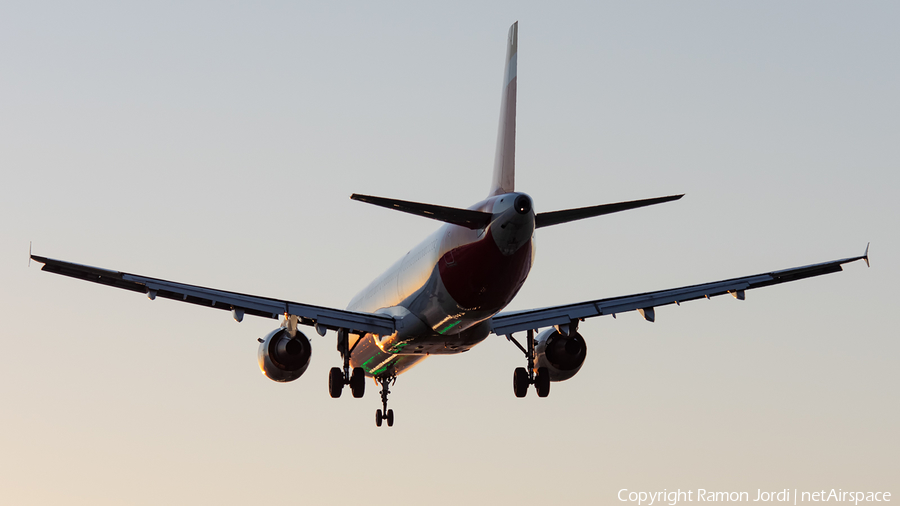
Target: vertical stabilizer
505, 160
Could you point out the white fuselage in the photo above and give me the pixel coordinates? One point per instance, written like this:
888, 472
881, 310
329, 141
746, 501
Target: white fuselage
444, 291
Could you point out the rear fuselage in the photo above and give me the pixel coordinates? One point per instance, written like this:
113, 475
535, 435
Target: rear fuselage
444, 291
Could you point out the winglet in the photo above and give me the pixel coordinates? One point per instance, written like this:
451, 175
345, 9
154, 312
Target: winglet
29, 253
866, 255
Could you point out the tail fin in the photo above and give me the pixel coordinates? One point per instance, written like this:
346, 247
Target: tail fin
505, 160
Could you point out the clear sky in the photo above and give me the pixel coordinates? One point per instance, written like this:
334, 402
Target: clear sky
217, 144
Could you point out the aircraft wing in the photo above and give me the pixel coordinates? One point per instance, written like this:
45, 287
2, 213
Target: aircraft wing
507, 323
238, 303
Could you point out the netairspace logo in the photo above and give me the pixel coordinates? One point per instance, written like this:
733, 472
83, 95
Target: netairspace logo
783, 496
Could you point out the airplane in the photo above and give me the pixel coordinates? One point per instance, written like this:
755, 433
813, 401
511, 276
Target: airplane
447, 294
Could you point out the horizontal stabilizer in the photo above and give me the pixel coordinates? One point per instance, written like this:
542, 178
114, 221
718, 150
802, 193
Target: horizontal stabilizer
462, 217
567, 215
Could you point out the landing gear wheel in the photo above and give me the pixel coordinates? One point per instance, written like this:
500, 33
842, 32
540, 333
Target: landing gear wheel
390, 418
379, 418
335, 382
542, 382
520, 382
358, 382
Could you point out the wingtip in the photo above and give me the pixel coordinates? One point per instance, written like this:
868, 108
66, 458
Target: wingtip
672, 198
37, 258
866, 254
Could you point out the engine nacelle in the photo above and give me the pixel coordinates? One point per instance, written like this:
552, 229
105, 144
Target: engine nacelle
561, 355
282, 358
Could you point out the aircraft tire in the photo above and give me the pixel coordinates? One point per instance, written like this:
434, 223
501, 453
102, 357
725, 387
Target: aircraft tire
378, 417
390, 418
358, 382
335, 382
520, 382
542, 382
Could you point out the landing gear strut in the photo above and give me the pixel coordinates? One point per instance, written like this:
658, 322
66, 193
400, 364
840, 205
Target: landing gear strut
338, 377
523, 377
385, 413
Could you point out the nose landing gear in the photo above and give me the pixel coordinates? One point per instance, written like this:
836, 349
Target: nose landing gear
385, 414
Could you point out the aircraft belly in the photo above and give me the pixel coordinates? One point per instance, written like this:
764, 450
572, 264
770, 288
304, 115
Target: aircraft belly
442, 295
375, 362
372, 357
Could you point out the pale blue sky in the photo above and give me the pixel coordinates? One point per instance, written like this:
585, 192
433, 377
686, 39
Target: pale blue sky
218, 145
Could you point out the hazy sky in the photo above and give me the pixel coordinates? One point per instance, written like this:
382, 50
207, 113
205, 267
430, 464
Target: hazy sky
218, 145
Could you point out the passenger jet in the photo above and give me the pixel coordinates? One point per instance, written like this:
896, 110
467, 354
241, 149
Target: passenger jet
448, 293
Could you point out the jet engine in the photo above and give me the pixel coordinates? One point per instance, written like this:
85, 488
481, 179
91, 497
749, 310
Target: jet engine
284, 358
561, 355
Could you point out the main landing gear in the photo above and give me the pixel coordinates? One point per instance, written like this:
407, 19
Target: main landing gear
338, 377
523, 377
385, 413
